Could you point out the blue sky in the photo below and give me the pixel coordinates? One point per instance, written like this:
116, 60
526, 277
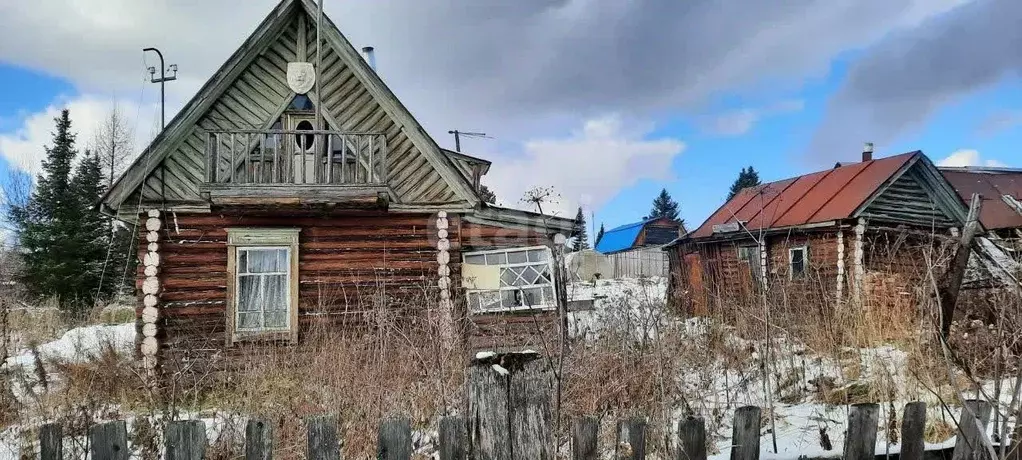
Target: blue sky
578, 106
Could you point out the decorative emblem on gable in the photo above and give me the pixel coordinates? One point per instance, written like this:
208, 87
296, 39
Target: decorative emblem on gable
301, 76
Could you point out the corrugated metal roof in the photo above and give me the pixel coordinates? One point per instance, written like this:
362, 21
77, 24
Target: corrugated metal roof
620, 238
992, 184
822, 196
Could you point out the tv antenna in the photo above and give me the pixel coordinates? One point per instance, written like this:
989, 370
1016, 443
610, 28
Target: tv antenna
162, 81
457, 137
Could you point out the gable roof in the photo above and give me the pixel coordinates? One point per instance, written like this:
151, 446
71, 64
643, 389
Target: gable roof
993, 185
353, 95
624, 237
844, 192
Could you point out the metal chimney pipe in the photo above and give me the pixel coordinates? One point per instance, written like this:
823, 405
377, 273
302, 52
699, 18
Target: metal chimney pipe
867, 152
370, 56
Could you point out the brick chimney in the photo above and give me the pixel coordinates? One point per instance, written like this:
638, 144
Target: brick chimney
867, 152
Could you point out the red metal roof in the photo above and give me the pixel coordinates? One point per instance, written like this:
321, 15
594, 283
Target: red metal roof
822, 196
991, 184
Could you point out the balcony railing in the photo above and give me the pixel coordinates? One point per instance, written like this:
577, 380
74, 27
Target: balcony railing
312, 157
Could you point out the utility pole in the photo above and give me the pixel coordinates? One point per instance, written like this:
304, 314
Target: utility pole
457, 138
319, 68
162, 81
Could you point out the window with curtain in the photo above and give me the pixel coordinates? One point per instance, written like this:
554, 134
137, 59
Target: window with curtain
263, 279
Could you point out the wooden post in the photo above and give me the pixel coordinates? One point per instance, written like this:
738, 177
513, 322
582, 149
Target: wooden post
109, 441
913, 425
969, 445
631, 439
185, 440
952, 282
585, 438
489, 426
745, 434
861, 438
322, 440
51, 442
395, 440
258, 440
692, 439
452, 439
529, 411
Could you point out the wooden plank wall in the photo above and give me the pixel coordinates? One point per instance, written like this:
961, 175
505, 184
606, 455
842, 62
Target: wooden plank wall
261, 90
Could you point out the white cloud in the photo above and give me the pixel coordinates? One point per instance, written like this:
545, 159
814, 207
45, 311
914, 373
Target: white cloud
24, 146
968, 157
587, 168
741, 121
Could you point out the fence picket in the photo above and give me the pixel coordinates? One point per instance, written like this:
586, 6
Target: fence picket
745, 434
258, 440
322, 440
861, 439
109, 441
969, 445
631, 439
185, 440
51, 442
585, 439
395, 440
913, 426
692, 439
452, 439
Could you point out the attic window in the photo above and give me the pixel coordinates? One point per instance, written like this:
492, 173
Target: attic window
305, 141
301, 102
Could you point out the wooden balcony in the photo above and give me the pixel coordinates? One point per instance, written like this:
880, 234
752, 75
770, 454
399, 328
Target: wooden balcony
294, 166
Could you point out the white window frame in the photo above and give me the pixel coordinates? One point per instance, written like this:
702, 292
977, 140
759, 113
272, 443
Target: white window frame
248, 239
237, 283
791, 261
547, 305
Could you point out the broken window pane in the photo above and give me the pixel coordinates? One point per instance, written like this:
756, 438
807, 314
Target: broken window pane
525, 280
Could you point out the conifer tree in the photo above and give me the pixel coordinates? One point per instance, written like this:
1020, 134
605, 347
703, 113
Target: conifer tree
487, 195
664, 206
63, 238
579, 232
748, 177
599, 235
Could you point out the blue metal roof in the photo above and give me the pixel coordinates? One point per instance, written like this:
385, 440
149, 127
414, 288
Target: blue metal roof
620, 238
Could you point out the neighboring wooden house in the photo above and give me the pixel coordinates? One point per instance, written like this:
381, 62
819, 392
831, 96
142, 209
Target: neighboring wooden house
256, 224
842, 233
635, 249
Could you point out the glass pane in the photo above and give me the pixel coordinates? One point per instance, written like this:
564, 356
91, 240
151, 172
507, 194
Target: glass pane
276, 320
496, 259
266, 260
250, 320
519, 257
530, 276
489, 300
283, 262
275, 287
509, 276
537, 255
510, 298
475, 260
548, 296
248, 293
242, 262
532, 297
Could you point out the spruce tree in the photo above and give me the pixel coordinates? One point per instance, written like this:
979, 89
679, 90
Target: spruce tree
487, 195
748, 177
664, 206
599, 235
62, 237
579, 232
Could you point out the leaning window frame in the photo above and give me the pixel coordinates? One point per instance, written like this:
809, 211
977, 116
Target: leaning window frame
791, 261
477, 310
241, 239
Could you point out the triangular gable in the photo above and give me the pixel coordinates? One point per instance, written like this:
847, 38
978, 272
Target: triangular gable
250, 91
916, 195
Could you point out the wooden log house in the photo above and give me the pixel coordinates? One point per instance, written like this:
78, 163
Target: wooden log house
857, 230
258, 224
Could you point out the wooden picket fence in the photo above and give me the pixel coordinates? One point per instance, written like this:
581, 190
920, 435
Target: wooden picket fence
186, 440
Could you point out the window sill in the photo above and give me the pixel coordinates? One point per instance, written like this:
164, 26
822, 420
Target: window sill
516, 310
240, 337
